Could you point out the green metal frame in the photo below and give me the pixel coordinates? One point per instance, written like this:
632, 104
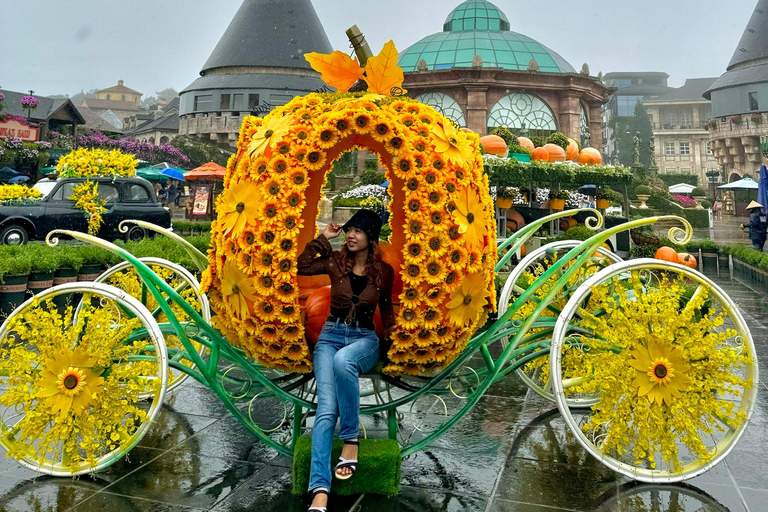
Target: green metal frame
251, 380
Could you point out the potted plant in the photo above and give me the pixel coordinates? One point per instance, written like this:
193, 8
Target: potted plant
698, 195
735, 119
505, 196
757, 118
15, 265
44, 265
557, 199
93, 263
603, 198
520, 153
643, 193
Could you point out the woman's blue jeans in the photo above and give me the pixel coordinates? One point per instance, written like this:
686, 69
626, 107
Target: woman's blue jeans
342, 353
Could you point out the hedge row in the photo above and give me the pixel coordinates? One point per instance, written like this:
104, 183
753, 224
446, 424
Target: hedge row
511, 173
697, 218
676, 179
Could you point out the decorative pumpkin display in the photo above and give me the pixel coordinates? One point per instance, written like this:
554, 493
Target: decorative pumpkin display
540, 154
443, 242
567, 223
590, 156
666, 254
555, 152
494, 145
526, 143
572, 151
515, 221
686, 259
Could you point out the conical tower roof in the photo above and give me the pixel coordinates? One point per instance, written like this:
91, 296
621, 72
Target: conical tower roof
754, 42
749, 63
270, 33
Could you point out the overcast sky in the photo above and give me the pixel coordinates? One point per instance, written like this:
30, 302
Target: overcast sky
61, 47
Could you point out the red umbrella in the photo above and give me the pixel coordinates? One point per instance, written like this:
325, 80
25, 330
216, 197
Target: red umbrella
208, 172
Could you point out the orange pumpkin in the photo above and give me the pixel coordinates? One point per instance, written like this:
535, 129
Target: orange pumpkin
494, 145
590, 156
526, 143
567, 223
666, 254
572, 151
686, 259
556, 153
540, 155
515, 221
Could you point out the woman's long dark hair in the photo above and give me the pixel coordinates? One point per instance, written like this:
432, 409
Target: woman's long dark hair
374, 266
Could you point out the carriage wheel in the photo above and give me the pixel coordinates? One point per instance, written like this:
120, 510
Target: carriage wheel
73, 385
125, 277
536, 373
673, 365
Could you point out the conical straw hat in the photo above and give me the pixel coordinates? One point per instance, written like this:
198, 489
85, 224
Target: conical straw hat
754, 204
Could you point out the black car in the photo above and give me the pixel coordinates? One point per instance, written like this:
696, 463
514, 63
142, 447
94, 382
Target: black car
127, 198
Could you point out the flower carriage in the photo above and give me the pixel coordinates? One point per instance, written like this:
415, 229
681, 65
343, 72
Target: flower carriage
650, 363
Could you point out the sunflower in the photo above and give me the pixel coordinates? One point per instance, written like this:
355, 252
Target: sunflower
238, 207
259, 345
468, 215
265, 285
243, 262
298, 179
284, 250
267, 239
265, 310
269, 134
410, 299
262, 261
435, 271
412, 274
305, 116
246, 239
273, 188
451, 142
296, 351
458, 257
403, 165
268, 333
286, 292
434, 296
451, 280
363, 123
315, 160
327, 138
291, 226
382, 131
444, 335
68, 384
424, 338
396, 145
292, 332
437, 244
399, 355
467, 301
238, 289
294, 203
284, 270
474, 260
440, 353
279, 164
251, 325
274, 349
408, 119
409, 319
422, 355
415, 252
286, 313
268, 209
433, 318
661, 371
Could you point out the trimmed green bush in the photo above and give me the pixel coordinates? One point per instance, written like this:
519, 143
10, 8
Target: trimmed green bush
676, 179
372, 178
538, 141
559, 139
643, 251
643, 190
698, 192
509, 138
706, 204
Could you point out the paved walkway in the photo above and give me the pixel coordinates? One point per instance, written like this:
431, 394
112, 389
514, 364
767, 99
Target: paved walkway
512, 452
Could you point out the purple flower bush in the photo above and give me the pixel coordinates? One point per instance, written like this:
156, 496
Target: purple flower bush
29, 102
13, 143
142, 150
684, 200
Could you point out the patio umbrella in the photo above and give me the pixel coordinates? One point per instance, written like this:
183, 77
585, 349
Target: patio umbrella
207, 172
151, 174
588, 190
385, 184
174, 173
762, 190
17, 180
6, 173
743, 184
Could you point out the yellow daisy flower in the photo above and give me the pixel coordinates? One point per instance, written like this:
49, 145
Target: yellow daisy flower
269, 134
468, 215
237, 289
467, 301
237, 207
661, 371
451, 142
68, 383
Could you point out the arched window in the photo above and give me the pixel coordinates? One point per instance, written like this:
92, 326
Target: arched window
163, 140
151, 140
584, 127
445, 105
523, 114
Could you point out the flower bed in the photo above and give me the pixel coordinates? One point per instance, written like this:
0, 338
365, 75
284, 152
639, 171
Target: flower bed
685, 201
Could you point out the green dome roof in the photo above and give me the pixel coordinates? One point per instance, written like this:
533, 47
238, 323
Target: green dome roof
477, 27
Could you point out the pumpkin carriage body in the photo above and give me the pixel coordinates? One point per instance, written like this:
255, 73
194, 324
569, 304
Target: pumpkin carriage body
442, 247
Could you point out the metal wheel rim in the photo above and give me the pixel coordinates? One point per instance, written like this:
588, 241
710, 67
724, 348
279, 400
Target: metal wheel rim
156, 336
506, 295
729, 440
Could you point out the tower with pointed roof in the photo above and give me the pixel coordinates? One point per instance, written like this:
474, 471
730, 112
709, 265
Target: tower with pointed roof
483, 74
740, 101
257, 64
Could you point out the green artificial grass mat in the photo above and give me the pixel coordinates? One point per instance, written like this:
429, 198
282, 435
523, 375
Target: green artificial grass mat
378, 471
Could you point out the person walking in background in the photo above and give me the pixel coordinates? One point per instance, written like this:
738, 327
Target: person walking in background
758, 225
717, 208
171, 199
158, 189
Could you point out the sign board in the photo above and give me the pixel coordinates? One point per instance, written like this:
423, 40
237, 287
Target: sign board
13, 128
200, 206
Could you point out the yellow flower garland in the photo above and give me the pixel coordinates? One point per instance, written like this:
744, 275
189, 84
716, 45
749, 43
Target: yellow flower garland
441, 216
18, 193
86, 198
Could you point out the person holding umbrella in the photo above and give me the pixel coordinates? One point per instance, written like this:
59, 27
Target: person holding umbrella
758, 225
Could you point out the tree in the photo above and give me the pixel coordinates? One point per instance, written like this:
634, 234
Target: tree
626, 128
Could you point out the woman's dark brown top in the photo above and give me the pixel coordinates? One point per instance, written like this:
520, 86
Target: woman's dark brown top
319, 258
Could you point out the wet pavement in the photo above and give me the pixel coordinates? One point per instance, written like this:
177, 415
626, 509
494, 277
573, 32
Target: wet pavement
512, 452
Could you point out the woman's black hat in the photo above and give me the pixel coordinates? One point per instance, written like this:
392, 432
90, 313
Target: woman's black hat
366, 220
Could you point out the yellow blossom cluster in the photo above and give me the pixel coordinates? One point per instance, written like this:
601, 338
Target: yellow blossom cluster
86, 163
668, 370
11, 193
441, 216
86, 198
71, 382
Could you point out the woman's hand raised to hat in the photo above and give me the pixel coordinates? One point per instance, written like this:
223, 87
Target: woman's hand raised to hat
332, 230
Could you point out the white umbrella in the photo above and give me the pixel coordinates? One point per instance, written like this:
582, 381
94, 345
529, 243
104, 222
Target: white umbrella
744, 183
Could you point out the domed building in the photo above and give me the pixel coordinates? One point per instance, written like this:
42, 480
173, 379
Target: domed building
258, 64
483, 75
